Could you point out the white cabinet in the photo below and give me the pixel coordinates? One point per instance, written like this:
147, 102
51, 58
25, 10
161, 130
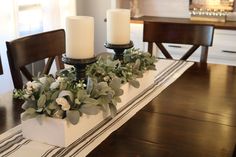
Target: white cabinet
178, 50
223, 50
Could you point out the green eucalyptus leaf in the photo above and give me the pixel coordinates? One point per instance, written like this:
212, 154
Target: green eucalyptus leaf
115, 83
58, 114
105, 108
41, 101
30, 111
53, 105
102, 85
139, 74
90, 101
103, 100
73, 116
48, 111
114, 102
151, 67
50, 79
119, 92
90, 109
123, 73
104, 91
28, 114
55, 95
81, 95
29, 104
134, 83
118, 99
63, 85
113, 110
137, 64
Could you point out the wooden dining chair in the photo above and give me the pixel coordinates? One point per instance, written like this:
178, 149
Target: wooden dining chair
26, 50
191, 34
1, 69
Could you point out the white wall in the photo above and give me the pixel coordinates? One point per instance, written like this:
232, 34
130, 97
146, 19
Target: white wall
165, 8
97, 9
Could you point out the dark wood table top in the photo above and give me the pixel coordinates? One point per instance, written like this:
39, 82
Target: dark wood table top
230, 25
194, 117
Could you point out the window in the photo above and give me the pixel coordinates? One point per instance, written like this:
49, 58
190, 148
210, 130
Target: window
30, 17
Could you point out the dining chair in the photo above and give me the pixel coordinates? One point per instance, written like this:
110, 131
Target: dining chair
26, 50
179, 33
1, 69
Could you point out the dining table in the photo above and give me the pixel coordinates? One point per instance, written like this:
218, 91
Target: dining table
195, 116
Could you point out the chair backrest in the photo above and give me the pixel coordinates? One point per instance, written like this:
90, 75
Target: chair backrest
32, 48
1, 69
181, 33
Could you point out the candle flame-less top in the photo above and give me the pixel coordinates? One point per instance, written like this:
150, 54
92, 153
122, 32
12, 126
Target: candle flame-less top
118, 26
80, 37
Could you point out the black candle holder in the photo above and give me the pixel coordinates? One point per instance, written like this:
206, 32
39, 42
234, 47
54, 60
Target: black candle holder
119, 49
80, 66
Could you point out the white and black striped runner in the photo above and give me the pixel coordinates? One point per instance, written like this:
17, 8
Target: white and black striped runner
13, 144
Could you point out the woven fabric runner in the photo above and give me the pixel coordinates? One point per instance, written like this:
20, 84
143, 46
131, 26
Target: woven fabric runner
12, 144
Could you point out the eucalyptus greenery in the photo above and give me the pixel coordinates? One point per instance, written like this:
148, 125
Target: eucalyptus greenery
134, 64
63, 97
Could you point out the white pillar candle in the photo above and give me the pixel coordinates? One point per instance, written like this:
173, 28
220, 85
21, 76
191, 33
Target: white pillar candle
118, 26
80, 37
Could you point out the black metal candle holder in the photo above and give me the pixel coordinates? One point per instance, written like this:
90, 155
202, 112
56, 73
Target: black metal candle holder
80, 66
119, 49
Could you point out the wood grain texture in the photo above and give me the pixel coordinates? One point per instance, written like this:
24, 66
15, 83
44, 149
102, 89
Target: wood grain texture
195, 116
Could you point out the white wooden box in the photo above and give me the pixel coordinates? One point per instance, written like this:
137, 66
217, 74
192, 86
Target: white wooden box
60, 132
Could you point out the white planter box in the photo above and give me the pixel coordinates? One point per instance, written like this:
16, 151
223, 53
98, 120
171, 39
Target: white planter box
61, 133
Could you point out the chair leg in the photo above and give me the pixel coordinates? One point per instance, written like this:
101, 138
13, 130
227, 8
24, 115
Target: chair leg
234, 153
204, 54
59, 63
150, 47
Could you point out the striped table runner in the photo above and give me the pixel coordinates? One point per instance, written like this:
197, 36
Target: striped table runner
12, 144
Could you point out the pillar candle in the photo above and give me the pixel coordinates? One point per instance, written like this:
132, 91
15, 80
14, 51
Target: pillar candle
118, 26
80, 37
